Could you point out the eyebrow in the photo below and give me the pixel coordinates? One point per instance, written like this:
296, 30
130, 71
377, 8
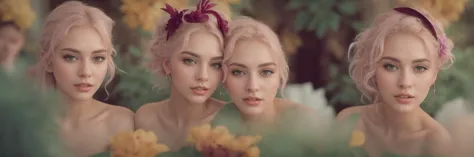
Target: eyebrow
414, 61
261, 65
197, 56
267, 64
77, 51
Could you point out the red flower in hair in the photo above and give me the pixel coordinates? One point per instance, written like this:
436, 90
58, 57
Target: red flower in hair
198, 16
174, 21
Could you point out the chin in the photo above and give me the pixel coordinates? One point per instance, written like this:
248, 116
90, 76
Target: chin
404, 107
247, 110
196, 99
82, 97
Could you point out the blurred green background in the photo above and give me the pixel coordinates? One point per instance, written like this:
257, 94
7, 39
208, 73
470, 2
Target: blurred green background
315, 35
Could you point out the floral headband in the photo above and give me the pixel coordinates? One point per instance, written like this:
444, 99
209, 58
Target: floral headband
198, 16
440, 37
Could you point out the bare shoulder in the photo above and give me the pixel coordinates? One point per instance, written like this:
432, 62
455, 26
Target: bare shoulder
120, 119
438, 137
147, 114
346, 113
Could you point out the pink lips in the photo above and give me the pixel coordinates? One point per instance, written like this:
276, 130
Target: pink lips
83, 87
404, 98
200, 90
252, 101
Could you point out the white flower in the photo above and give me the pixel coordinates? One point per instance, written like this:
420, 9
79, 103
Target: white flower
306, 95
451, 110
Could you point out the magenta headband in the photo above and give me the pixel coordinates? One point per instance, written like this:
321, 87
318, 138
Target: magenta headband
198, 16
441, 38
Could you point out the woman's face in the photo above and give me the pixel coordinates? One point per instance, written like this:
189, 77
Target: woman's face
406, 71
11, 42
252, 79
196, 71
80, 63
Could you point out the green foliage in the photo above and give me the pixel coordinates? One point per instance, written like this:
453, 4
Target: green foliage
28, 118
344, 87
322, 16
454, 82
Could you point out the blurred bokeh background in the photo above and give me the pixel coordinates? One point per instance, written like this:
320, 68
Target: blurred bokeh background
315, 35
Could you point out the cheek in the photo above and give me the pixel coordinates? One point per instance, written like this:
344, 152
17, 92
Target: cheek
234, 85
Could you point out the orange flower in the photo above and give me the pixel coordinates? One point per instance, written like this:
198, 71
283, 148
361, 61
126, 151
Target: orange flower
205, 137
136, 144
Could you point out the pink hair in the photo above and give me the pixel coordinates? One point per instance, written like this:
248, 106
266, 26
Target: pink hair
247, 28
368, 47
162, 49
57, 25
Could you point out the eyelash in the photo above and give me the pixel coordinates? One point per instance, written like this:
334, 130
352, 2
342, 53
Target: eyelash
71, 58
389, 67
189, 61
264, 73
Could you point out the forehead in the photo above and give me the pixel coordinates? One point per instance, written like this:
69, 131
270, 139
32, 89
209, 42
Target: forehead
408, 46
204, 44
251, 52
84, 39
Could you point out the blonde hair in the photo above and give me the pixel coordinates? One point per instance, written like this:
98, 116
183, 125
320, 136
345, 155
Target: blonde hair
368, 47
247, 28
57, 25
161, 49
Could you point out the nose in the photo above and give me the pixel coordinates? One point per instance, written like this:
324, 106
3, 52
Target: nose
202, 74
406, 79
252, 84
85, 69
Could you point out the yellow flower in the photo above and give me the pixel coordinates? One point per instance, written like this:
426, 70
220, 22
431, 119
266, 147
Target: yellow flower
290, 41
229, 1
140, 143
204, 137
145, 13
18, 11
446, 11
357, 139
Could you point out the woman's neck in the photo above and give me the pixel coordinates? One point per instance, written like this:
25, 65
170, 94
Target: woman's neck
81, 108
397, 122
183, 112
265, 119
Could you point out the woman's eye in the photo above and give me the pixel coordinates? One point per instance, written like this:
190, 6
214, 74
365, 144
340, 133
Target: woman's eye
237, 72
188, 61
69, 58
216, 65
99, 59
420, 68
267, 72
390, 67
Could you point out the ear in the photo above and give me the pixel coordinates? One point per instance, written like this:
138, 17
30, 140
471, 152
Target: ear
48, 67
433, 80
166, 66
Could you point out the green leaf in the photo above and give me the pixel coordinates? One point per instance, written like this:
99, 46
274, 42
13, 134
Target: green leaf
334, 21
358, 25
301, 20
347, 7
294, 4
135, 51
313, 24
322, 29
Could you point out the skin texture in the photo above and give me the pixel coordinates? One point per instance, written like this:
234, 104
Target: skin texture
256, 76
407, 66
11, 42
199, 64
88, 124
